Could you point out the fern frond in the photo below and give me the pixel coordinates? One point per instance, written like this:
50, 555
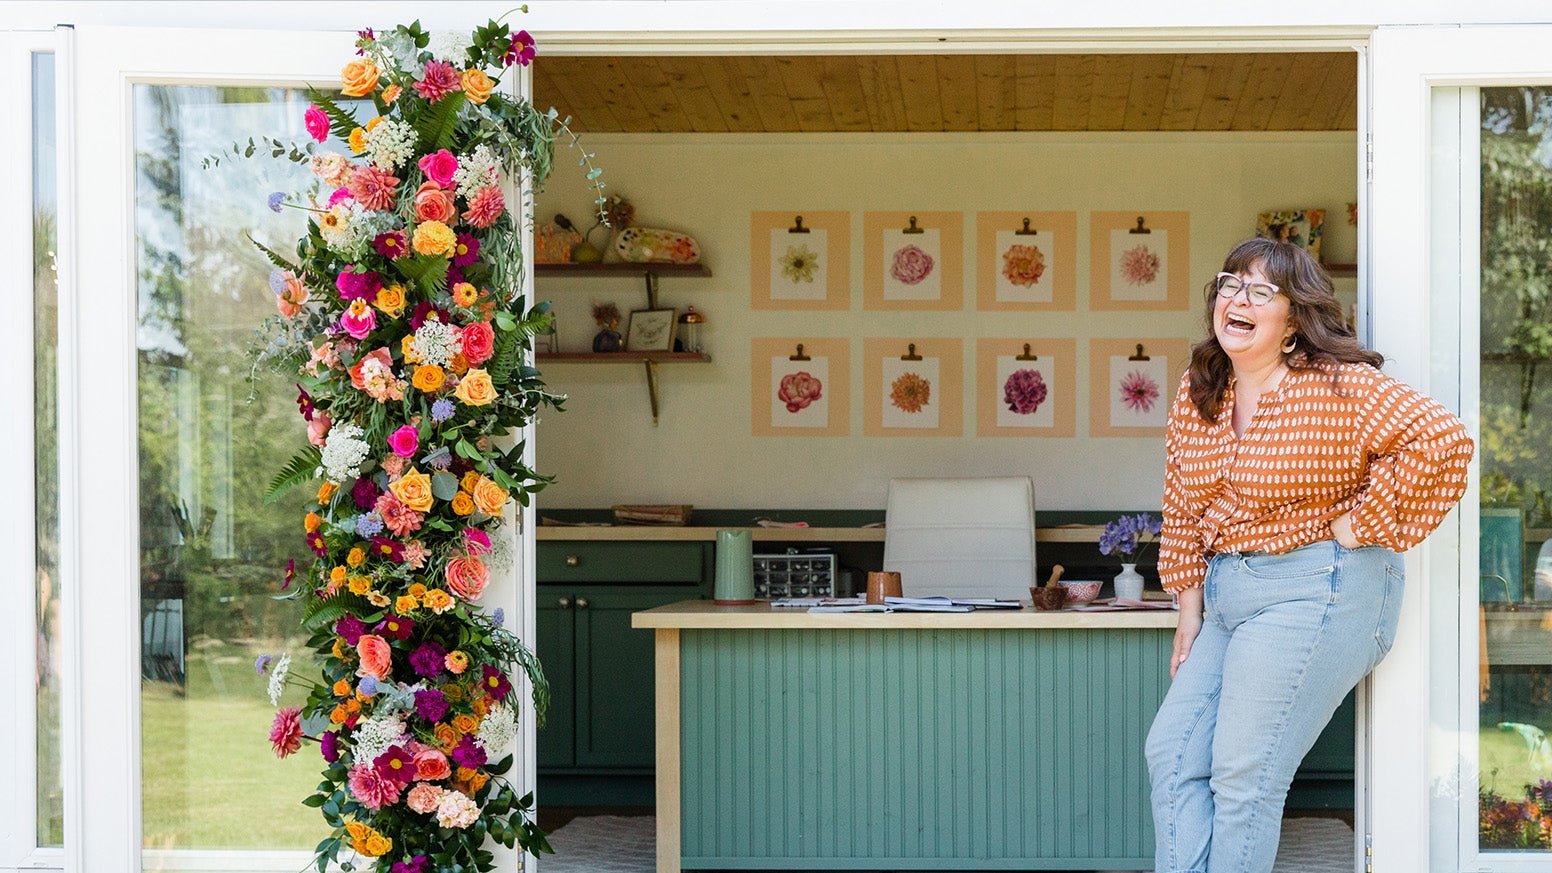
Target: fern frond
436, 125
324, 611
273, 256
301, 468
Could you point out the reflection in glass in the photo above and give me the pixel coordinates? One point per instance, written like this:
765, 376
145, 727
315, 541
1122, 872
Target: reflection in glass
1515, 676
212, 552
45, 351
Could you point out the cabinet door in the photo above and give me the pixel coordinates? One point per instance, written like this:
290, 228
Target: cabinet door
614, 676
555, 644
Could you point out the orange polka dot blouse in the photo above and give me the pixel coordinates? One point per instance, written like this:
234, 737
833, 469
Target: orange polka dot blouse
1373, 445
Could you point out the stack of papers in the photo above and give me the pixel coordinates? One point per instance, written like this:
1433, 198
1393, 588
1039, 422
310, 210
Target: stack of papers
1117, 604
905, 604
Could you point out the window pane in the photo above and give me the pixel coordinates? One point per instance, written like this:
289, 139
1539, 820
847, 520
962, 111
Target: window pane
212, 551
45, 345
1515, 676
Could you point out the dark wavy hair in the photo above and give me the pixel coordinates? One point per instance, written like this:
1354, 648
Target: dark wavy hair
1325, 342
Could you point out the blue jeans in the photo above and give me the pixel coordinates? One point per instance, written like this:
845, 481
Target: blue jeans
1284, 638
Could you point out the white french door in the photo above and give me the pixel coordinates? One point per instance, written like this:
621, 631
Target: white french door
1461, 233
179, 557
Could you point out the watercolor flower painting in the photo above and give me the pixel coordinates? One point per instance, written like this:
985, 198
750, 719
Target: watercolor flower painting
799, 390
910, 392
1139, 265
910, 265
1139, 391
1023, 265
799, 264
1024, 391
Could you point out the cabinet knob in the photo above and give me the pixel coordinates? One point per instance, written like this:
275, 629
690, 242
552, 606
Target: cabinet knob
581, 603
564, 603
573, 560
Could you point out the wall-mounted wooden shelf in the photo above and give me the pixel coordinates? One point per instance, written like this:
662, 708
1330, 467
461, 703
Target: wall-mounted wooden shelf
621, 269
626, 357
1342, 270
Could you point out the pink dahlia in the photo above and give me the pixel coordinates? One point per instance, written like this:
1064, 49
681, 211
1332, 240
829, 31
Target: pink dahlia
397, 517
373, 187
485, 207
285, 735
440, 80
1024, 391
369, 787
798, 390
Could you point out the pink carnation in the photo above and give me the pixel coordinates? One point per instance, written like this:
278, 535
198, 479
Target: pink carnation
373, 188
439, 167
423, 798
372, 790
485, 207
440, 80
285, 735
393, 465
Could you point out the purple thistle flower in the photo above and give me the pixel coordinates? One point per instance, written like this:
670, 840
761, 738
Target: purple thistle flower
277, 280
430, 704
275, 199
427, 660
261, 664
440, 459
469, 754
442, 409
367, 686
328, 746
499, 616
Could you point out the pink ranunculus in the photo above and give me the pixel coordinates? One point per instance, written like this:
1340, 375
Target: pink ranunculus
479, 343
431, 765
423, 798
467, 577
376, 657
798, 390
374, 188
318, 428
317, 123
485, 207
476, 541
359, 320
433, 203
405, 441
371, 789
285, 735
439, 167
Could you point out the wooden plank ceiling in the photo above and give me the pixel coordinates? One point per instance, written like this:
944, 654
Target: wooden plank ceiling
917, 93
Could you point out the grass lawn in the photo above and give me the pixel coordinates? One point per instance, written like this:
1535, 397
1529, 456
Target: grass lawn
1505, 763
210, 778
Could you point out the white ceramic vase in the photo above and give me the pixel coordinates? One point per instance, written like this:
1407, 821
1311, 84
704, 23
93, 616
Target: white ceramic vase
1128, 582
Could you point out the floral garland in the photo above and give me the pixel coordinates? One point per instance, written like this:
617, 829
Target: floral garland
401, 323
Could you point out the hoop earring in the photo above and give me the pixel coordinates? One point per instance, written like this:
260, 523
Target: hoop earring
1290, 344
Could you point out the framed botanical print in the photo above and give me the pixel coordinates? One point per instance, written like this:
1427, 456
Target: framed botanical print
1132, 383
1026, 388
1139, 261
1026, 261
800, 260
800, 386
913, 386
913, 261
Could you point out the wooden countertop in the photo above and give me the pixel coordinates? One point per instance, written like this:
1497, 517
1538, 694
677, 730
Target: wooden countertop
706, 615
1082, 533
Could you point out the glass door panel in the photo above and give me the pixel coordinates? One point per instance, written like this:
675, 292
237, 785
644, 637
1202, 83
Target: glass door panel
212, 553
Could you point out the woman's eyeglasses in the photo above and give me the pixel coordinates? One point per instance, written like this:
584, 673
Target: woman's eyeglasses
1258, 293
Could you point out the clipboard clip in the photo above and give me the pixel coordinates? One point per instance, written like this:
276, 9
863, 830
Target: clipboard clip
797, 225
1141, 227
1027, 231
910, 353
912, 228
1027, 356
1139, 356
799, 356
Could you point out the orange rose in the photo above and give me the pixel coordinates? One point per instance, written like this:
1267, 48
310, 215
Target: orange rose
446, 737
338, 574
432, 203
326, 492
390, 300
459, 364
376, 657
463, 504
359, 78
342, 688
475, 388
469, 480
467, 577
476, 85
357, 140
409, 354
466, 723
438, 601
413, 490
311, 522
429, 377
489, 497
405, 603
339, 715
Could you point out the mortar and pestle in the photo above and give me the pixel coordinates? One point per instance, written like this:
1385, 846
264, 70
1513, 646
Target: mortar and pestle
1052, 595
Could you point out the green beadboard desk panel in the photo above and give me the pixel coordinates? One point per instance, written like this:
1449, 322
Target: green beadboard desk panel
982, 741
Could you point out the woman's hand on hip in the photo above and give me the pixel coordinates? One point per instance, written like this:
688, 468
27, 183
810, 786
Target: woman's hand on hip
1188, 626
1342, 530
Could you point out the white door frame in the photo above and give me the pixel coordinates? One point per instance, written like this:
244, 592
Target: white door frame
1417, 200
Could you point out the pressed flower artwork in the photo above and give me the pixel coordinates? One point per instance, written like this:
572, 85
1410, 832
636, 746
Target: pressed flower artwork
913, 386
800, 260
799, 264
910, 265
1130, 390
1139, 261
1137, 392
799, 390
1026, 261
1023, 269
1023, 265
913, 264
913, 261
1139, 265
1024, 391
909, 392
1025, 388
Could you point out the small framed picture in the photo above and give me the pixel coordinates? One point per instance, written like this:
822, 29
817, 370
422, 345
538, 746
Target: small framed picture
650, 330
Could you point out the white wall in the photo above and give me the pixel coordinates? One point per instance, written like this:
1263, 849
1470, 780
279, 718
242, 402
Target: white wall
604, 448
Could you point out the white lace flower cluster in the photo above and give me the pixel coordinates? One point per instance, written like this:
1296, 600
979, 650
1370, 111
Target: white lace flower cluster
436, 343
498, 730
277, 678
476, 170
349, 229
390, 144
344, 451
450, 46
374, 736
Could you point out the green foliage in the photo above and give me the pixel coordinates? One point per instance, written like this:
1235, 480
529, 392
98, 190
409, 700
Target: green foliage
323, 612
436, 125
302, 468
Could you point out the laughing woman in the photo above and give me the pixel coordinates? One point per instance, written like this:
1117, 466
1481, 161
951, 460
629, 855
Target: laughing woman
1296, 473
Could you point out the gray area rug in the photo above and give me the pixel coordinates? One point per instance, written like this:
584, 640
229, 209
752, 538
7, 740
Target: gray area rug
627, 844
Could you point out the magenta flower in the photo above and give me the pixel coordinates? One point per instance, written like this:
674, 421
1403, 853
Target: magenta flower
439, 167
431, 704
405, 441
359, 320
439, 80
521, 51
358, 285
396, 765
466, 252
328, 746
426, 661
1138, 391
495, 682
290, 574
364, 493
395, 627
316, 542
317, 123
384, 547
304, 402
469, 754
476, 541
392, 245
350, 629
1024, 391
339, 195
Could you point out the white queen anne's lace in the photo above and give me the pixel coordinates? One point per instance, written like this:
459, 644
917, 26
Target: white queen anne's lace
390, 144
476, 170
375, 735
497, 731
344, 451
277, 678
437, 343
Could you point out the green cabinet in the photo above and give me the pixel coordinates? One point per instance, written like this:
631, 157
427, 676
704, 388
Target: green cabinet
601, 717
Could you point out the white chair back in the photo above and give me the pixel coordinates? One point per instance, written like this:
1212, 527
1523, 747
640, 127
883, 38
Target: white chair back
961, 537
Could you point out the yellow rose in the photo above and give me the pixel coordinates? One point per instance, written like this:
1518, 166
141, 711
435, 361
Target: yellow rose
463, 504
417, 590
357, 830
357, 557
360, 584
469, 480
476, 85
475, 388
372, 125
437, 600
489, 497
429, 377
434, 238
337, 574
359, 78
413, 490
326, 491
377, 845
339, 649
409, 354
466, 723
390, 299
404, 604
357, 140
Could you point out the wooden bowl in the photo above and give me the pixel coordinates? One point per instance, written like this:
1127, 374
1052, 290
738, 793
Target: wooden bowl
1048, 598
